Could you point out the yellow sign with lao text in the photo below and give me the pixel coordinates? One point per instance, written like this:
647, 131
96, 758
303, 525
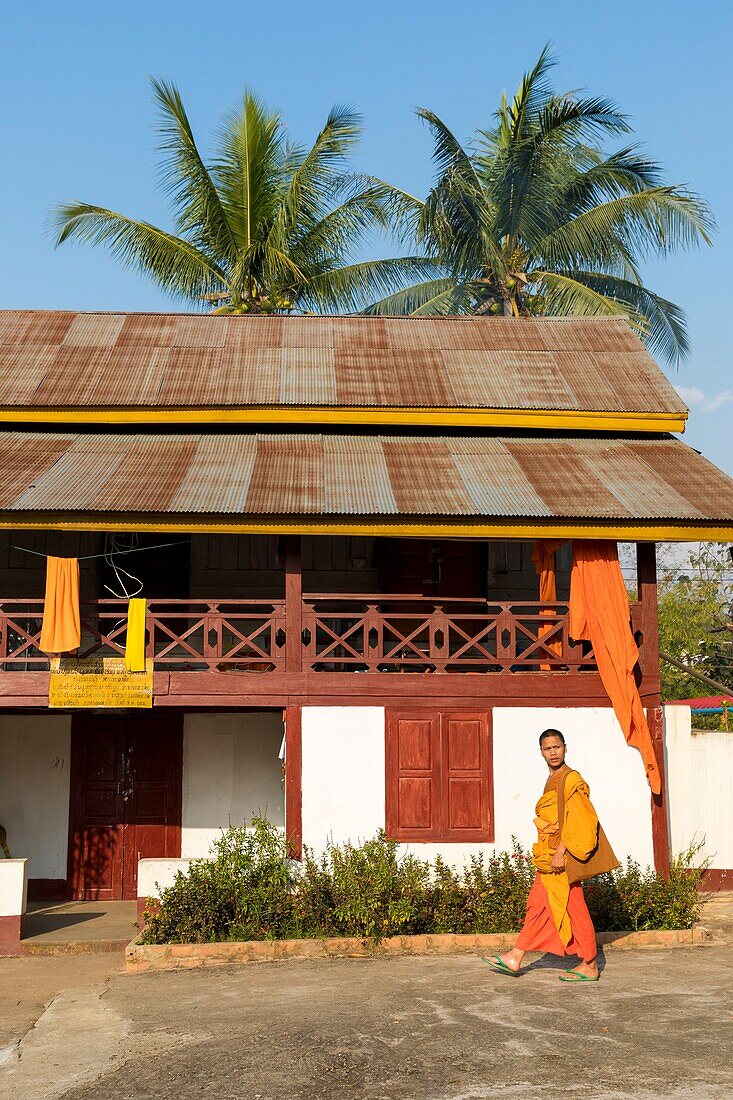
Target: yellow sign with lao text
98, 682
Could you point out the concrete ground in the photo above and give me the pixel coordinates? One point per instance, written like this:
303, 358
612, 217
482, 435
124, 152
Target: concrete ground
76, 922
659, 1024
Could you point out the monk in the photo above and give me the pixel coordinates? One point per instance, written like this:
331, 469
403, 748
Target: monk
557, 918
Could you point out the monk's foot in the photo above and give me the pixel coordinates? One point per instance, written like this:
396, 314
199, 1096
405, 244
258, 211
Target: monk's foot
512, 959
587, 969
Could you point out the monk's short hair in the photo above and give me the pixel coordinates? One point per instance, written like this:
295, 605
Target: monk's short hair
551, 733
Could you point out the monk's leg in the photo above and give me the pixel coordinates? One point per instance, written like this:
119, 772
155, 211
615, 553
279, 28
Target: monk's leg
584, 934
534, 921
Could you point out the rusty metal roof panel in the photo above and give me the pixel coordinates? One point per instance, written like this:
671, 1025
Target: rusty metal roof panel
219, 473
424, 478
508, 380
22, 369
506, 492
356, 477
308, 376
475, 474
288, 476
27, 460
586, 364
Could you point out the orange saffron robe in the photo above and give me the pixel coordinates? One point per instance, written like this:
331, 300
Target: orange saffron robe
557, 918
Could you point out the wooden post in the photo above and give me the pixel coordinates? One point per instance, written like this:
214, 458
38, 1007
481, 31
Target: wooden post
293, 605
646, 571
294, 780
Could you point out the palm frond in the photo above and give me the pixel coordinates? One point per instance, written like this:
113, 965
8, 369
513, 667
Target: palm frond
180, 268
354, 287
248, 169
200, 215
655, 221
662, 322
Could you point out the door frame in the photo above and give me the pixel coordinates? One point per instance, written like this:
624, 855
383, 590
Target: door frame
81, 721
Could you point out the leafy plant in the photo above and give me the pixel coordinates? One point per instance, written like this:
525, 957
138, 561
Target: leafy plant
266, 227
251, 890
537, 217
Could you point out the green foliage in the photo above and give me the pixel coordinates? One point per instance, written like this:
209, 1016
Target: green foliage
250, 890
243, 893
636, 900
266, 227
694, 621
536, 217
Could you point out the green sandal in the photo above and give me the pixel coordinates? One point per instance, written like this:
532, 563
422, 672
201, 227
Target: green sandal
574, 976
497, 963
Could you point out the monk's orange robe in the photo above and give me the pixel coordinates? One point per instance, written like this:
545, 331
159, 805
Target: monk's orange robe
557, 916
61, 628
543, 556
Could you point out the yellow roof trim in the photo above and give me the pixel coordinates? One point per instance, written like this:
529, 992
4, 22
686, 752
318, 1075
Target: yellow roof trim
546, 419
631, 531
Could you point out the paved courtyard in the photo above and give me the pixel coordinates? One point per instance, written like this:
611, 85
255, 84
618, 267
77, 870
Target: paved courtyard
659, 1024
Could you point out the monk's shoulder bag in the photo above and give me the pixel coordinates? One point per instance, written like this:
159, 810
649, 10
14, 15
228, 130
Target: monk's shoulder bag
600, 860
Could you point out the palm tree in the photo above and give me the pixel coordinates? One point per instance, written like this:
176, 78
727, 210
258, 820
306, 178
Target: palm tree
266, 227
537, 218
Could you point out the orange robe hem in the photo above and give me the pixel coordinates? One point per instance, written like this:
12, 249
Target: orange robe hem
540, 934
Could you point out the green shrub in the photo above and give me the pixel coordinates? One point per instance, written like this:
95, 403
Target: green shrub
636, 900
243, 893
251, 890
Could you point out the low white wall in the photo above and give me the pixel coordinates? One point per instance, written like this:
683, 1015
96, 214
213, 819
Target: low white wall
231, 772
13, 887
154, 875
344, 780
34, 789
700, 778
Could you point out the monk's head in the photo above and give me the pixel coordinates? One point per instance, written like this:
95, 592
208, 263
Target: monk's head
552, 747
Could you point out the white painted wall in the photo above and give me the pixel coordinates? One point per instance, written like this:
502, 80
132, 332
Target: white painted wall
155, 875
700, 778
34, 789
343, 774
231, 772
13, 887
344, 783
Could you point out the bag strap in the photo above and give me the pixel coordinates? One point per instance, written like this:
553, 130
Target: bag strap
561, 801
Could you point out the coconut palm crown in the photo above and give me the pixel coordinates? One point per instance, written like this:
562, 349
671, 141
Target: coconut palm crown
267, 227
535, 218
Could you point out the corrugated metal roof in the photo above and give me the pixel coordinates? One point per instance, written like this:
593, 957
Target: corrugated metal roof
166, 360
482, 475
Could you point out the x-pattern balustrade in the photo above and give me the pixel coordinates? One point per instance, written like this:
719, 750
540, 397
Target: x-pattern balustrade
339, 633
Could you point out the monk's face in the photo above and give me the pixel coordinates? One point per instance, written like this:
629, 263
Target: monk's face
553, 751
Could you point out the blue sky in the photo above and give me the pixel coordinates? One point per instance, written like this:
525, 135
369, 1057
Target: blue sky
78, 121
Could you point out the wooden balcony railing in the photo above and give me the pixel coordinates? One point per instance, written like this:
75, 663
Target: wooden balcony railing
181, 634
429, 634
401, 633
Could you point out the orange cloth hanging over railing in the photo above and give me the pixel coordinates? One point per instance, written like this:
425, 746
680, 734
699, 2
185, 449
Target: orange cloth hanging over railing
543, 556
61, 630
600, 614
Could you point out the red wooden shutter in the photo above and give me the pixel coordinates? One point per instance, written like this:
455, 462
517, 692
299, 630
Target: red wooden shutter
414, 804
466, 780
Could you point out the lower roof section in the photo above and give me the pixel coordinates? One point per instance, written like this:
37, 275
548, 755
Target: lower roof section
468, 485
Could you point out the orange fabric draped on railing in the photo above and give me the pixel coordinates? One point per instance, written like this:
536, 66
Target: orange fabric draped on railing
543, 556
61, 630
599, 613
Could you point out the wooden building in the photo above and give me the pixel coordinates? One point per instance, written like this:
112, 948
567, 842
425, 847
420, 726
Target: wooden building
333, 521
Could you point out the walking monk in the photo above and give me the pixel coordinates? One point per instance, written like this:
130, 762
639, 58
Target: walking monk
557, 918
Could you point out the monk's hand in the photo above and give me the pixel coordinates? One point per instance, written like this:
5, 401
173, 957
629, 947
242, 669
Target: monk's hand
558, 860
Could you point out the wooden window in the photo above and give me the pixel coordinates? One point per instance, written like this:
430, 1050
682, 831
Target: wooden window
439, 782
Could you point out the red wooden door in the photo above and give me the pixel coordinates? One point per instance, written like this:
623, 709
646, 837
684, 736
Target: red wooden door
154, 749
97, 809
126, 778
